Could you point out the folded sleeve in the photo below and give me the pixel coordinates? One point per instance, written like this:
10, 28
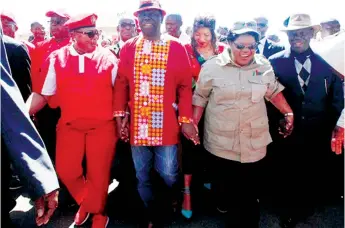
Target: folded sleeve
203, 87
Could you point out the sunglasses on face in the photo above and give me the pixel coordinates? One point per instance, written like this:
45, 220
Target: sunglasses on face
56, 22
262, 25
250, 47
149, 14
125, 25
90, 34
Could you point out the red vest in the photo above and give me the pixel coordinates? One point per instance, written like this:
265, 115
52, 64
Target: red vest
87, 95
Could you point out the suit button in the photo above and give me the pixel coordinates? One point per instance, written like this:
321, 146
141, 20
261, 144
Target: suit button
303, 103
303, 118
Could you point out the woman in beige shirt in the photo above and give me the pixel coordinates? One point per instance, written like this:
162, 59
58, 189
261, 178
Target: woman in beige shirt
232, 87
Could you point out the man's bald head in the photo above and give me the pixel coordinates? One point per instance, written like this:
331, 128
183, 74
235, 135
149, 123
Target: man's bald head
262, 25
173, 23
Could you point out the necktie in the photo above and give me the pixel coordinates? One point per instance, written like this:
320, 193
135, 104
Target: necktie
304, 66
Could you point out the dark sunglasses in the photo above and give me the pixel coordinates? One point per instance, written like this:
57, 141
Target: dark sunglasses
90, 34
124, 25
250, 47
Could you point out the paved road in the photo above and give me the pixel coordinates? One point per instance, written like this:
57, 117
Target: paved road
121, 210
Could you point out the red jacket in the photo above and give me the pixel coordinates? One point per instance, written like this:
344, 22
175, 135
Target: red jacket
152, 81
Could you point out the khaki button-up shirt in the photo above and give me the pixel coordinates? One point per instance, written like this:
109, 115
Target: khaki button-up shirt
236, 122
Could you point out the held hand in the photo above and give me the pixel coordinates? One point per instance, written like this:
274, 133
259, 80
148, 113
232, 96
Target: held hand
125, 129
286, 126
337, 140
190, 132
45, 207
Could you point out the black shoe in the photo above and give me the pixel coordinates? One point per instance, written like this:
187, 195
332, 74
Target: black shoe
15, 183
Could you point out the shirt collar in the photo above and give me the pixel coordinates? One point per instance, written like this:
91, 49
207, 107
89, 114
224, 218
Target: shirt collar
263, 40
73, 52
121, 43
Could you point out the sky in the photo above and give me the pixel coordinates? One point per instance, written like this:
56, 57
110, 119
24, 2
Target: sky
225, 11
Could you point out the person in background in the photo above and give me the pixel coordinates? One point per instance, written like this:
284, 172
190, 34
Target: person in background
38, 32
86, 127
330, 27
47, 118
266, 46
203, 47
9, 26
316, 97
232, 89
173, 23
152, 90
126, 30
189, 31
22, 146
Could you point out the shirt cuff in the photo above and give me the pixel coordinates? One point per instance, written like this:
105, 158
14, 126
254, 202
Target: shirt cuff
119, 113
184, 119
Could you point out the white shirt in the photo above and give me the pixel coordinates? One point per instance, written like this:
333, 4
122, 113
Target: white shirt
261, 45
121, 43
340, 122
49, 86
184, 38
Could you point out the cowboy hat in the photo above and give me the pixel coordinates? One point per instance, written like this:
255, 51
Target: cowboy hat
299, 21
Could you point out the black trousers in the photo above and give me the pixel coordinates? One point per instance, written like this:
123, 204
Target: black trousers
236, 185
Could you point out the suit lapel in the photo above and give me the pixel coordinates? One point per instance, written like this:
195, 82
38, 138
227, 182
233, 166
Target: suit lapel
292, 73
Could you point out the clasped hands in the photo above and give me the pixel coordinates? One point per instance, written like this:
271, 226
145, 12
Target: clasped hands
337, 141
189, 130
45, 207
286, 126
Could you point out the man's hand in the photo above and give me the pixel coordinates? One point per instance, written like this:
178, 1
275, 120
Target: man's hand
45, 207
337, 142
190, 132
123, 128
286, 126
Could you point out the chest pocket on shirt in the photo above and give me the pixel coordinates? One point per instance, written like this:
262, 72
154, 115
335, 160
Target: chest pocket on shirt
259, 88
224, 91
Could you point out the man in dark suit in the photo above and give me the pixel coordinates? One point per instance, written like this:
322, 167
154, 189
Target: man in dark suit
23, 147
316, 97
266, 46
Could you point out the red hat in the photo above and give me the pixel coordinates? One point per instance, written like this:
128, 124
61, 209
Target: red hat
9, 16
58, 12
82, 21
149, 4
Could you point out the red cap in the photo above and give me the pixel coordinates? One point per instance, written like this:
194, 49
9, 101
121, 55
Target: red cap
58, 12
149, 4
8, 15
82, 21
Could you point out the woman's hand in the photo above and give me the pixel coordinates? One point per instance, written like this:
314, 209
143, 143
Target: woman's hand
286, 126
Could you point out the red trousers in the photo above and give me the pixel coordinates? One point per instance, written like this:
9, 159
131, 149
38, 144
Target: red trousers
96, 141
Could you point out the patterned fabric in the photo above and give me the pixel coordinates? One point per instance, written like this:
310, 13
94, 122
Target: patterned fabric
149, 76
303, 71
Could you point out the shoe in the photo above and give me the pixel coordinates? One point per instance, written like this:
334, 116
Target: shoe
187, 213
186, 205
15, 183
100, 221
81, 217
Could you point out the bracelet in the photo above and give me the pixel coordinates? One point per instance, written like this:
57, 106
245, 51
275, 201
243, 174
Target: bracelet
288, 114
127, 113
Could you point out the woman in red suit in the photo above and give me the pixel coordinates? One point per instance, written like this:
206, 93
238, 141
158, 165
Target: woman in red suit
203, 46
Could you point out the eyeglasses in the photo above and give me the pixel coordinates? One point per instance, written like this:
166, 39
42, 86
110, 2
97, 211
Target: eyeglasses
56, 22
250, 47
124, 25
262, 25
90, 34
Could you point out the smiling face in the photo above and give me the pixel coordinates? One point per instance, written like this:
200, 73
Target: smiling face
300, 39
243, 49
38, 31
203, 37
150, 22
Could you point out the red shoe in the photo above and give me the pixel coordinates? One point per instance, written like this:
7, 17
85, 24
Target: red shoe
81, 216
100, 221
